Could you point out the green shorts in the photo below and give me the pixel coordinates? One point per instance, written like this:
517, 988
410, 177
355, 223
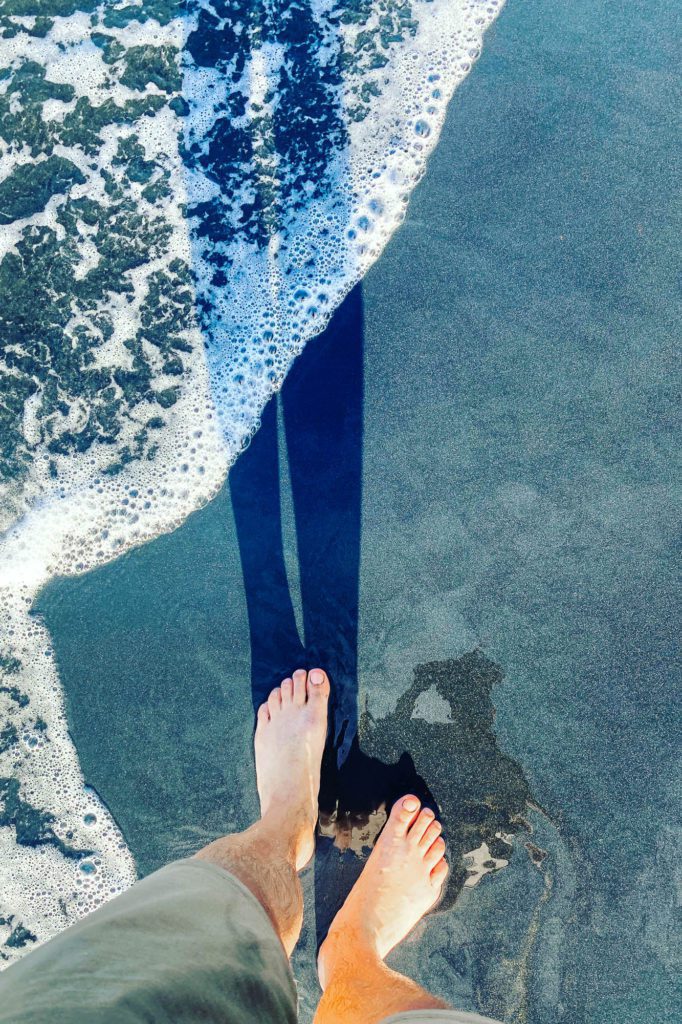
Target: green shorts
188, 944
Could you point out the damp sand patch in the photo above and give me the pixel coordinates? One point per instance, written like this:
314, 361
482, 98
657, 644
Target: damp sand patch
440, 743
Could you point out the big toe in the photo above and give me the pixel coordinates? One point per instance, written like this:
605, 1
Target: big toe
403, 813
318, 685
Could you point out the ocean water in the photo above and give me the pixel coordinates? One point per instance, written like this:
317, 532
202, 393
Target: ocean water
462, 500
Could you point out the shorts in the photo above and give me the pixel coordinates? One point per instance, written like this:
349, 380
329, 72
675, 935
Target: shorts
189, 944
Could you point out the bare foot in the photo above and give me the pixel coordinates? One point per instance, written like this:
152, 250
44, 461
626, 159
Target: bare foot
290, 737
401, 881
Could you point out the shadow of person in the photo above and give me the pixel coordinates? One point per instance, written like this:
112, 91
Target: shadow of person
452, 762
322, 414
321, 404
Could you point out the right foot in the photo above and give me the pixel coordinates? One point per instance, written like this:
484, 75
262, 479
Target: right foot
401, 881
289, 742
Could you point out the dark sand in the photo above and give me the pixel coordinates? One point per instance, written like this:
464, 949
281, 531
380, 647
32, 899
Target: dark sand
515, 485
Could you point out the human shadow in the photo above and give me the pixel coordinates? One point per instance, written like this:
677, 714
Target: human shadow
322, 401
322, 413
439, 741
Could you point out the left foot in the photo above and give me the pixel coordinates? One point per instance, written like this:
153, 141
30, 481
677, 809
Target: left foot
400, 882
290, 738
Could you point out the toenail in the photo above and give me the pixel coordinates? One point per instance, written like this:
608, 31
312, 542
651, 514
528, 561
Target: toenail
410, 803
316, 677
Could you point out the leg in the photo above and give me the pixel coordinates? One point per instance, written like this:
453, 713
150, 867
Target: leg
401, 881
290, 737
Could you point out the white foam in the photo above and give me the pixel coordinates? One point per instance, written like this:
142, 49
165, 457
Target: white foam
275, 301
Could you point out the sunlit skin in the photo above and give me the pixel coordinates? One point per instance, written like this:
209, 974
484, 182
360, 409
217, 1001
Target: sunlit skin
401, 881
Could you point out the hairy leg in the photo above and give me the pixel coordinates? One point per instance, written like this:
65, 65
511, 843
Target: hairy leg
264, 865
370, 992
401, 881
290, 736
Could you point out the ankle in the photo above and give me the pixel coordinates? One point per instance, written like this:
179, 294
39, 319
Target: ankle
272, 835
291, 832
343, 949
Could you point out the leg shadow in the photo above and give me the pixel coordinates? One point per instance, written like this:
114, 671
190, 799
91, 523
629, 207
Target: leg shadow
276, 648
322, 402
322, 406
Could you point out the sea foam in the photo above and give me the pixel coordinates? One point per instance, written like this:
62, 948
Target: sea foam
207, 183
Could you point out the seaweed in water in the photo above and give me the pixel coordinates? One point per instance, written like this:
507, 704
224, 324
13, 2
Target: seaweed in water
32, 826
17, 938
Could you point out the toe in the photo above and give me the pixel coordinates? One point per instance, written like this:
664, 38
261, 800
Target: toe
403, 813
287, 690
263, 714
275, 700
439, 873
300, 676
434, 853
431, 833
318, 685
421, 824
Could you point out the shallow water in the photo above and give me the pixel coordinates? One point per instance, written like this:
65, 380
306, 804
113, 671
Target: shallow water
463, 501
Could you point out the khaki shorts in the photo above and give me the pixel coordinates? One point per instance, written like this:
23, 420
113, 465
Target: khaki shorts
188, 944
